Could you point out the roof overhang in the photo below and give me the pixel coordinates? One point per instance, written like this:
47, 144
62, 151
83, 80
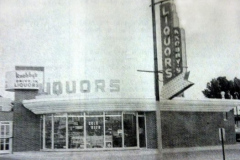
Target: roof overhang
204, 105
57, 105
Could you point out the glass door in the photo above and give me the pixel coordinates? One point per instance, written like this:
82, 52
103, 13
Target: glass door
130, 129
5, 137
141, 131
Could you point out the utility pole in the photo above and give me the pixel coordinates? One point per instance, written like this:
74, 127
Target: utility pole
155, 52
156, 79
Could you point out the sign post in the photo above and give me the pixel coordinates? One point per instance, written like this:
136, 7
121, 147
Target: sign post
222, 138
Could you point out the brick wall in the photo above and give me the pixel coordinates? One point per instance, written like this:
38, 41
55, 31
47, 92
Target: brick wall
6, 116
193, 129
26, 126
151, 129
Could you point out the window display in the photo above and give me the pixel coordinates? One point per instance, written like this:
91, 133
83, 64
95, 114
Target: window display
59, 132
76, 132
87, 130
94, 127
113, 135
48, 131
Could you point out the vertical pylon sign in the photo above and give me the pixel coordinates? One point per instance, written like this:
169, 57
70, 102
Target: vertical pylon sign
175, 76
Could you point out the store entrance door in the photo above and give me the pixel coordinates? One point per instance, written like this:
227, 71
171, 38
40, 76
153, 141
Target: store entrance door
141, 131
5, 137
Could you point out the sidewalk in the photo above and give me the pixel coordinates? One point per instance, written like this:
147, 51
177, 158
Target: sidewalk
150, 154
199, 153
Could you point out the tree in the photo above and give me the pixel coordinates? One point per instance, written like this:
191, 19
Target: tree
221, 84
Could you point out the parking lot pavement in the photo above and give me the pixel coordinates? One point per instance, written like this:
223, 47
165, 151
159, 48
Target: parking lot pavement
233, 154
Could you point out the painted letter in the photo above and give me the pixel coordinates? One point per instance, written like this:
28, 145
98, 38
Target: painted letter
164, 11
168, 62
168, 73
166, 31
167, 51
100, 85
114, 85
85, 86
73, 90
57, 88
167, 43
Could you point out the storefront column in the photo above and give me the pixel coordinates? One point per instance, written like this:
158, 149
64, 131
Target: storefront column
137, 129
122, 132
52, 132
67, 131
104, 143
43, 132
85, 131
159, 132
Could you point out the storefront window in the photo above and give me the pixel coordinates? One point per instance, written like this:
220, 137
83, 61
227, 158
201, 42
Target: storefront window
130, 135
76, 132
59, 132
91, 130
48, 131
94, 126
113, 131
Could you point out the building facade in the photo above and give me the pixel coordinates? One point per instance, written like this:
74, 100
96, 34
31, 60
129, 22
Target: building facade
6, 125
73, 123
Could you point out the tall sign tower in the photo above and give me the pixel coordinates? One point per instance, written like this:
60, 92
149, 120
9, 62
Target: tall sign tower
175, 75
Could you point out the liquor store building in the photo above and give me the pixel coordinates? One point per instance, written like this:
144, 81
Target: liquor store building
72, 122
77, 124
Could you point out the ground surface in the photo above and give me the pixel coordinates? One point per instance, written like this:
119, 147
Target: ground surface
233, 154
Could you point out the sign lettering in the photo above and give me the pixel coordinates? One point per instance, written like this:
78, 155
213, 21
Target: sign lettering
82, 86
23, 79
167, 40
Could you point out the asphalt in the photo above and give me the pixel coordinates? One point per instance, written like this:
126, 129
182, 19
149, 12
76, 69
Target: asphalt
231, 153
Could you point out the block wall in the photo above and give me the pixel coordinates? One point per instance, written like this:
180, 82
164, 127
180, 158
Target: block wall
26, 126
194, 129
151, 129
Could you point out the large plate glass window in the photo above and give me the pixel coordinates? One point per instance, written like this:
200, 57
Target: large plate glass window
48, 131
59, 131
76, 132
113, 130
95, 136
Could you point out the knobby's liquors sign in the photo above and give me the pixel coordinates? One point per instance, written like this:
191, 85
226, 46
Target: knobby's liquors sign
25, 79
174, 78
171, 44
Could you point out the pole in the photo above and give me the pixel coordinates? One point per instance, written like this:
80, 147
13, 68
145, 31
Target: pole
222, 144
155, 52
237, 116
158, 114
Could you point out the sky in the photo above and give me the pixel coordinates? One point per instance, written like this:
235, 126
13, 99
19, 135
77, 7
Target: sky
112, 39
